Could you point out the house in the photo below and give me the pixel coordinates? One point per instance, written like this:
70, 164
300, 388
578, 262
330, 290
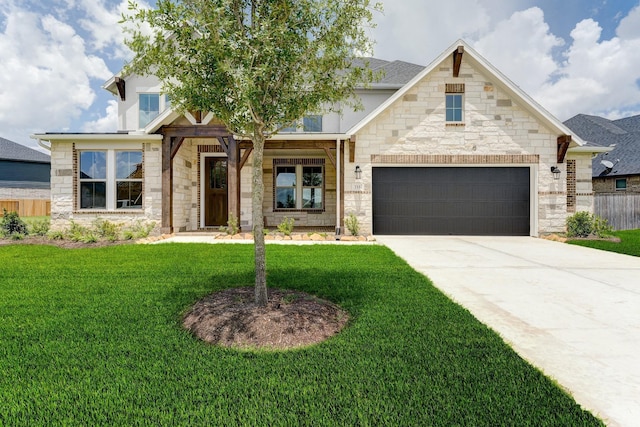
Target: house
616, 173
24, 179
451, 148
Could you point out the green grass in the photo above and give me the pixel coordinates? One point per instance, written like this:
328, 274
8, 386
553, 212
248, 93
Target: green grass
93, 337
629, 243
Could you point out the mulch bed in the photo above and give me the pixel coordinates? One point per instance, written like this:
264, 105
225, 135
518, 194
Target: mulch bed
291, 319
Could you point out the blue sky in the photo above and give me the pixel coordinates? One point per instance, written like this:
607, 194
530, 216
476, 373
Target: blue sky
572, 56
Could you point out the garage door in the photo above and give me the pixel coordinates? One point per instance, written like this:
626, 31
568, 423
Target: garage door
451, 200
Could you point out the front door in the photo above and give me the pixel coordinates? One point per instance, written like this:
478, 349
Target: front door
215, 191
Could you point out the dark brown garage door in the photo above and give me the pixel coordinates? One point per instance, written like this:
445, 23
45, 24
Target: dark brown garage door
460, 201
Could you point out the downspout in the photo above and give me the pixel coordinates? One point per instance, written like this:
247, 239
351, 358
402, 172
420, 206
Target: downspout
338, 192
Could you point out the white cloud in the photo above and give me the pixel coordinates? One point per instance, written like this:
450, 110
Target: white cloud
46, 73
108, 123
598, 76
521, 48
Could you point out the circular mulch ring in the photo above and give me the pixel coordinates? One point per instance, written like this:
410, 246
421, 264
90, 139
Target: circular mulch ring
291, 319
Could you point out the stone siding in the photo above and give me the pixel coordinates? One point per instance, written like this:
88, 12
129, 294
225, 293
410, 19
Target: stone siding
493, 126
25, 193
64, 190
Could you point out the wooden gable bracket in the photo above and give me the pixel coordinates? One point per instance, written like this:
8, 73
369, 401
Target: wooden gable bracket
175, 143
224, 145
245, 157
120, 84
563, 146
352, 149
457, 60
332, 159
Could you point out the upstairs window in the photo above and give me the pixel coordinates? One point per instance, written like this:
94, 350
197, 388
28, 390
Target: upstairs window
150, 105
621, 184
311, 123
454, 100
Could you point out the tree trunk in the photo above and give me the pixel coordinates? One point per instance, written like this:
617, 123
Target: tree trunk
257, 219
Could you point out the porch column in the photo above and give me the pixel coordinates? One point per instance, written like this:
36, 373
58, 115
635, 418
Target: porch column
233, 171
167, 185
338, 186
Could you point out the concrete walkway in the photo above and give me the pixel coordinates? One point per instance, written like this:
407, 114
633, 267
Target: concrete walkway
571, 311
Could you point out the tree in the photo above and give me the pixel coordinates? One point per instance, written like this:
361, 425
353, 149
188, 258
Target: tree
257, 65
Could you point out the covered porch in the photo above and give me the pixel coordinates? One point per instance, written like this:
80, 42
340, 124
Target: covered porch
207, 179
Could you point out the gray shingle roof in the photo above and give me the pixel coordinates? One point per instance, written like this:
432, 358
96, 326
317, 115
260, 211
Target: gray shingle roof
394, 72
623, 134
10, 150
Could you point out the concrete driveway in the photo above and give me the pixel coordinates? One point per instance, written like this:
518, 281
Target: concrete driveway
571, 311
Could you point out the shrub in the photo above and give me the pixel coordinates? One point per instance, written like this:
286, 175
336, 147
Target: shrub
11, 224
40, 227
107, 229
583, 224
286, 226
352, 224
601, 227
232, 225
76, 232
55, 234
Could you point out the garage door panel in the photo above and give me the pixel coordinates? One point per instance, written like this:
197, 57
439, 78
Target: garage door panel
450, 200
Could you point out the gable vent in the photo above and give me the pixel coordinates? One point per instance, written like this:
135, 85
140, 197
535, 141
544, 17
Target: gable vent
454, 88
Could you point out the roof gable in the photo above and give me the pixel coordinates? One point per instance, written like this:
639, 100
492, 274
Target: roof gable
483, 66
10, 150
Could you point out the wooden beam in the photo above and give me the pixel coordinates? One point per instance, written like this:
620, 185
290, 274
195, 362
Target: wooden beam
352, 149
175, 145
233, 173
224, 144
245, 156
120, 84
330, 156
195, 131
167, 187
292, 145
457, 60
563, 145
341, 184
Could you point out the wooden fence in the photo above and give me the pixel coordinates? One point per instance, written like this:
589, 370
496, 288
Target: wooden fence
27, 207
621, 210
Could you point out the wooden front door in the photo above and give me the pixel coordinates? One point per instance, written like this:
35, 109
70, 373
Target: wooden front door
215, 191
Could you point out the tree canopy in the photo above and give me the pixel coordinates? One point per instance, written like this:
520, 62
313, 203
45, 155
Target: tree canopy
257, 65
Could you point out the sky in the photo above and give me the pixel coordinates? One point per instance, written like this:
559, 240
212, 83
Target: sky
571, 56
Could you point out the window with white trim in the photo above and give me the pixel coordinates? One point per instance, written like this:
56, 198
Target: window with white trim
150, 105
298, 184
454, 102
621, 184
110, 179
311, 123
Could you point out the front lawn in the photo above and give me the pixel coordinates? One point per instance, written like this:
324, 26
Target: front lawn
93, 337
629, 243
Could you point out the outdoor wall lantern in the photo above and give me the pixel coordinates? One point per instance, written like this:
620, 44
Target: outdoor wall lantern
358, 172
556, 172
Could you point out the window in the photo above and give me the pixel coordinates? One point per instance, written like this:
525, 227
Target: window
454, 102
150, 106
312, 123
621, 184
298, 184
129, 179
454, 107
110, 179
93, 180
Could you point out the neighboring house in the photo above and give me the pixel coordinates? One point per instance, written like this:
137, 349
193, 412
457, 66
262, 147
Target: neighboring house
616, 174
451, 148
24, 178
